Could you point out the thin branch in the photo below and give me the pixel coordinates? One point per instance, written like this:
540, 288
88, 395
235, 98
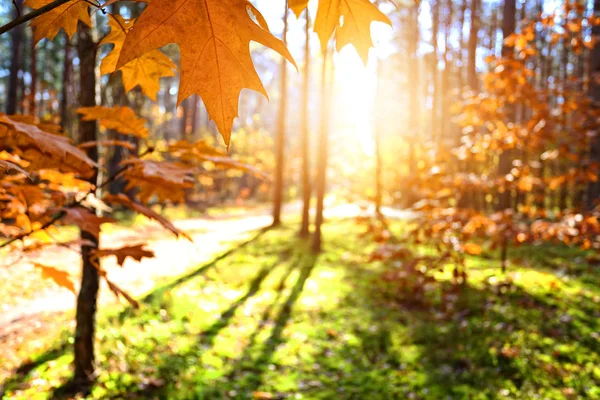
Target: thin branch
28, 17
17, 8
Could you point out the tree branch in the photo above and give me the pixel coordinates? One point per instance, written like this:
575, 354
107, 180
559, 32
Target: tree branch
28, 17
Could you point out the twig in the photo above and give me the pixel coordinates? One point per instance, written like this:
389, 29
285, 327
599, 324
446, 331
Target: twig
17, 8
28, 17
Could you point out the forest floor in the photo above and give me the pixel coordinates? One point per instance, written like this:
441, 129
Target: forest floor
33, 310
269, 320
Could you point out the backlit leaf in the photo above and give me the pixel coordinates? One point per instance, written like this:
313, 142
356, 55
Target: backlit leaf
214, 38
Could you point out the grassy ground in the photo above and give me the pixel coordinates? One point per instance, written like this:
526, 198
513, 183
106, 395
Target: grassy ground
270, 321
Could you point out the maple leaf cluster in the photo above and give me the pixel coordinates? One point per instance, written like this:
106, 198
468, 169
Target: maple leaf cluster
45, 181
214, 41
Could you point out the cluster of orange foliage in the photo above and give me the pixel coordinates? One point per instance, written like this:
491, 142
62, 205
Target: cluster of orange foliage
542, 130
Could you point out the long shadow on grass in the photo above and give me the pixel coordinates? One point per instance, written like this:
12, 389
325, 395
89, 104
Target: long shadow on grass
22, 372
175, 365
257, 367
208, 336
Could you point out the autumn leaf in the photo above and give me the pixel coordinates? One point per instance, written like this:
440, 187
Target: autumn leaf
297, 6
214, 38
107, 143
7, 166
472, 249
86, 220
44, 149
118, 291
357, 16
201, 151
122, 199
61, 278
165, 180
121, 119
144, 71
137, 252
65, 17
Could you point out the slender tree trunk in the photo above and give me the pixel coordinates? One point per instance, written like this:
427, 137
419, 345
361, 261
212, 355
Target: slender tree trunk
280, 139
90, 281
446, 74
472, 46
460, 70
66, 85
306, 187
16, 38
415, 110
34, 78
183, 131
593, 188
505, 161
195, 112
435, 122
378, 161
322, 155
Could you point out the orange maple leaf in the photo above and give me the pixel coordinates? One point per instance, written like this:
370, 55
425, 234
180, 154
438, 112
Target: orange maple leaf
121, 119
61, 278
137, 252
64, 17
122, 199
214, 39
144, 71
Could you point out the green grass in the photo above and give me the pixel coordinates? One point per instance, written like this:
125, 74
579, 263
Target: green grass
269, 320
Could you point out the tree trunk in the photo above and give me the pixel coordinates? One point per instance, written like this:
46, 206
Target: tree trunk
34, 76
322, 155
16, 39
473, 38
505, 161
66, 85
195, 112
415, 110
378, 161
593, 188
280, 139
435, 11
90, 281
306, 187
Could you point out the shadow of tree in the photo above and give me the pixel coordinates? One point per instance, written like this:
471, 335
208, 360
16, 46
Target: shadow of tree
70, 388
256, 367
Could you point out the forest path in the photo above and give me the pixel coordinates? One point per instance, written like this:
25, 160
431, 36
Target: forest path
38, 306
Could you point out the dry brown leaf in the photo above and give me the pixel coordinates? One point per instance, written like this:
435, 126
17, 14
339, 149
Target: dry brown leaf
86, 220
44, 149
137, 252
122, 199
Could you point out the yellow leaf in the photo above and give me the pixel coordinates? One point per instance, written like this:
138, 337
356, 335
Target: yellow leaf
297, 6
214, 40
356, 28
144, 71
121, 119
61, 278
64, 17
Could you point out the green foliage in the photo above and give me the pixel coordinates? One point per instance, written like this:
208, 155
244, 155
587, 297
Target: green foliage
270, 321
